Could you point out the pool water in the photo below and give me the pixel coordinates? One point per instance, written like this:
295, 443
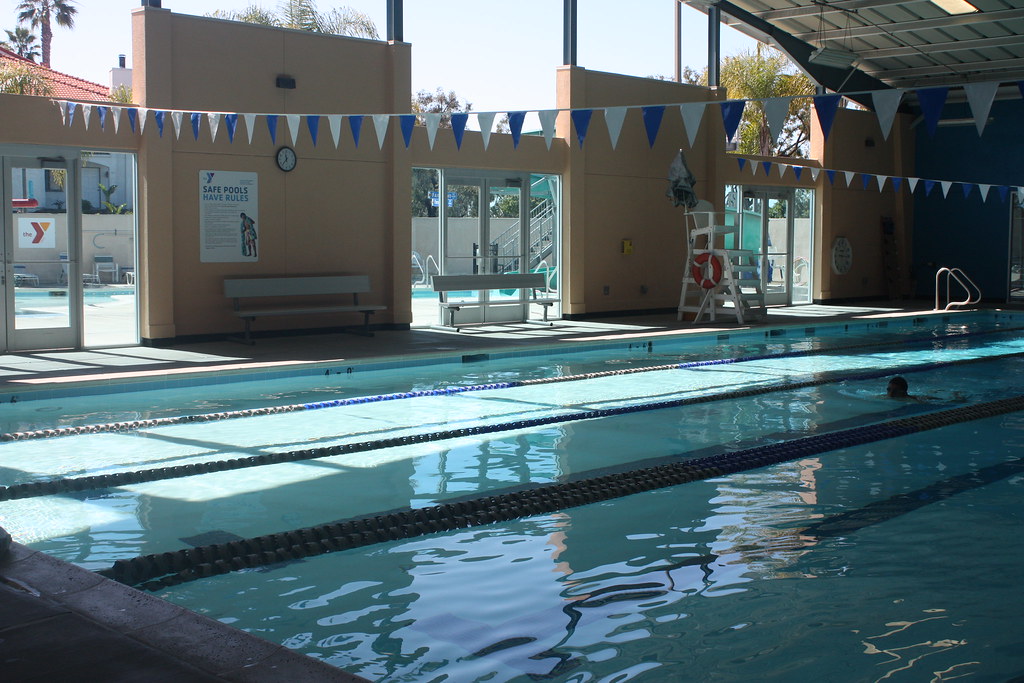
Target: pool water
888, 560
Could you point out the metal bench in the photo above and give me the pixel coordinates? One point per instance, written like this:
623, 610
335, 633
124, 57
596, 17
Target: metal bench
272, 290
533, 282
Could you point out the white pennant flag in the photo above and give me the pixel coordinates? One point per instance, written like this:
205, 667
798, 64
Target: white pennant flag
63, 105
692, 114
912, 184
886, 103
849, 177
250, 125
115, 117
775, 110
485, 121
782, 169
946, 184
143, 113
881, 181
334, 121
613, 118
294, 122
753, 167
214, 121
984, 191
432, 121
86, 113
380, 123
547, 124
980, 96
814, 173
176, 120
1020, 195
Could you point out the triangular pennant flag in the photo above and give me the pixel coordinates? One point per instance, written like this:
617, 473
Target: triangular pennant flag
692, 113
1004, 192
380, 124
887, 103
652, 122
1020, 86
334, 123
814, 173
101, 113
798, 171
405, 124
70, 107
881, 181
547, 124
115, 113
213, 119
767, 166
831, 176
775, 111
176, 117
896, 183
86, 114
160, 117
613, 118
194, 117
849, 177
931, 101
966, 188
825, 107
753, 168
928, 185
515, 126
250, 125
983, 189
355, 124
231, 120
133, 116
313, 123
946, 184
980, 97
782, 169
912, 184
62, 107
732, 112
432, 121
294, 122
865, 180
459, 122
143, 115
272, 127
742, 162
485, 121
581, 120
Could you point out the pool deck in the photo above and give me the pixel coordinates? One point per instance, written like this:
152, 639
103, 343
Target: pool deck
60, 622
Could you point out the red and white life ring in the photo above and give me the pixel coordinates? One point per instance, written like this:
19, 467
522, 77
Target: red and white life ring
698, 271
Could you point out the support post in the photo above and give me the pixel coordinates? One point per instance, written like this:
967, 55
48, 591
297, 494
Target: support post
395, 21
714, 46
569, 33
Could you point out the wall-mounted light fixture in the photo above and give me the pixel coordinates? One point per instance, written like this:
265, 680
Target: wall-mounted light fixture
286, 82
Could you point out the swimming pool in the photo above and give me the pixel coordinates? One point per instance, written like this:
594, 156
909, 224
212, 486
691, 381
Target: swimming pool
593, 589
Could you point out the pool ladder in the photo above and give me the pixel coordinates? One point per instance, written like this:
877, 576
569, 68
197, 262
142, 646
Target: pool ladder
971, 289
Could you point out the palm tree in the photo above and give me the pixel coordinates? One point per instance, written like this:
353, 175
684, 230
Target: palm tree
22, 42
39, 14
303, 15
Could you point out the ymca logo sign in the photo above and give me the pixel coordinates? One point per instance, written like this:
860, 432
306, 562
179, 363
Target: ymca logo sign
36, 232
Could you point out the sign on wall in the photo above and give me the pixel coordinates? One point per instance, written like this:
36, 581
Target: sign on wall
35, 232
228, 217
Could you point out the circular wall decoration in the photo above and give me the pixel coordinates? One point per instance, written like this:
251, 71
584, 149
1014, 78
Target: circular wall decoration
286, 158
842, 256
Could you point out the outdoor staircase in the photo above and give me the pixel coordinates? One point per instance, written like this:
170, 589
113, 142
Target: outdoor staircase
740, 284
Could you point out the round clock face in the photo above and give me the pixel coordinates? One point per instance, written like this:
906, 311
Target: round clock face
842, 256
286, 158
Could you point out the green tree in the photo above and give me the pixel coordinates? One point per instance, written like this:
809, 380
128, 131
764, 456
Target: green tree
440, 102
40, 13
23, 79
22, 42
304, 16
122, 94
765, 73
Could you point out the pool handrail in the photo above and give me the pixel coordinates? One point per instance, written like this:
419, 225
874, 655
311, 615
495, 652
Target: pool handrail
963, 280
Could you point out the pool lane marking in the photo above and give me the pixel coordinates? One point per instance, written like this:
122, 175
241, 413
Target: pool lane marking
135, 425
158, 571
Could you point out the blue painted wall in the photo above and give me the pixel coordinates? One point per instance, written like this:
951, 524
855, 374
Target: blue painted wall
964, 231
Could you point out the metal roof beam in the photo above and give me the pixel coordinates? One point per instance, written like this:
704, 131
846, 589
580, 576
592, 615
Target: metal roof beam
814, 10
943, 22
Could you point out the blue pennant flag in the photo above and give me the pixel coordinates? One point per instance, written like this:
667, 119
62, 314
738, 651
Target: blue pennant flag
825, 107
71, 107
966, 187
459, 127
196, 117
732, 112
865, 180
767, 166
231, 120
831, 176
797, 171
1020, 86
313, 123
515, 125
652, 122
1004, 192
355, 124
742, 162
931, 100
928, 185
133, 116
272, 127
896, 183
581, 119
406, 123
102, 113
160, 117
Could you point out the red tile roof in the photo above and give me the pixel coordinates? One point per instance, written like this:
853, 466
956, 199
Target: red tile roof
69, 87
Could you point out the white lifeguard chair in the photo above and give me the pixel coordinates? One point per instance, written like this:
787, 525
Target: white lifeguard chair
716, 277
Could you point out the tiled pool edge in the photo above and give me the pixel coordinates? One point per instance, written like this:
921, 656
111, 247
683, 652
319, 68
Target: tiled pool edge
109, 613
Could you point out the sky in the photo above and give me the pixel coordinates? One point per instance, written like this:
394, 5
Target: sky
498, 55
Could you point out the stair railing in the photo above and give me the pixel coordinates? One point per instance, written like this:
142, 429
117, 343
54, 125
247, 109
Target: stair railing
972, 290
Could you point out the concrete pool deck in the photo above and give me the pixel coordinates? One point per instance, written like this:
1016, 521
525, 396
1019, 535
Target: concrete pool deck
61, 622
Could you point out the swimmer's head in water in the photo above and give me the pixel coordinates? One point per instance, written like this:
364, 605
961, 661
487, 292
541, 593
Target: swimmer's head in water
897, 387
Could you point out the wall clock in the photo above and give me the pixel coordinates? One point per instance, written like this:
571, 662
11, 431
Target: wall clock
286, 158
842, 256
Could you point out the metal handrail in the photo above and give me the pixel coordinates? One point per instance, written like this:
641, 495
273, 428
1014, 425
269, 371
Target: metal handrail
961, 279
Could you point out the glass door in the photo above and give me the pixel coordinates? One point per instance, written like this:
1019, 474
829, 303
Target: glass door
767, 230
39, 253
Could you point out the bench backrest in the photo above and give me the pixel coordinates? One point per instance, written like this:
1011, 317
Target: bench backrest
296, 286
448, 283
